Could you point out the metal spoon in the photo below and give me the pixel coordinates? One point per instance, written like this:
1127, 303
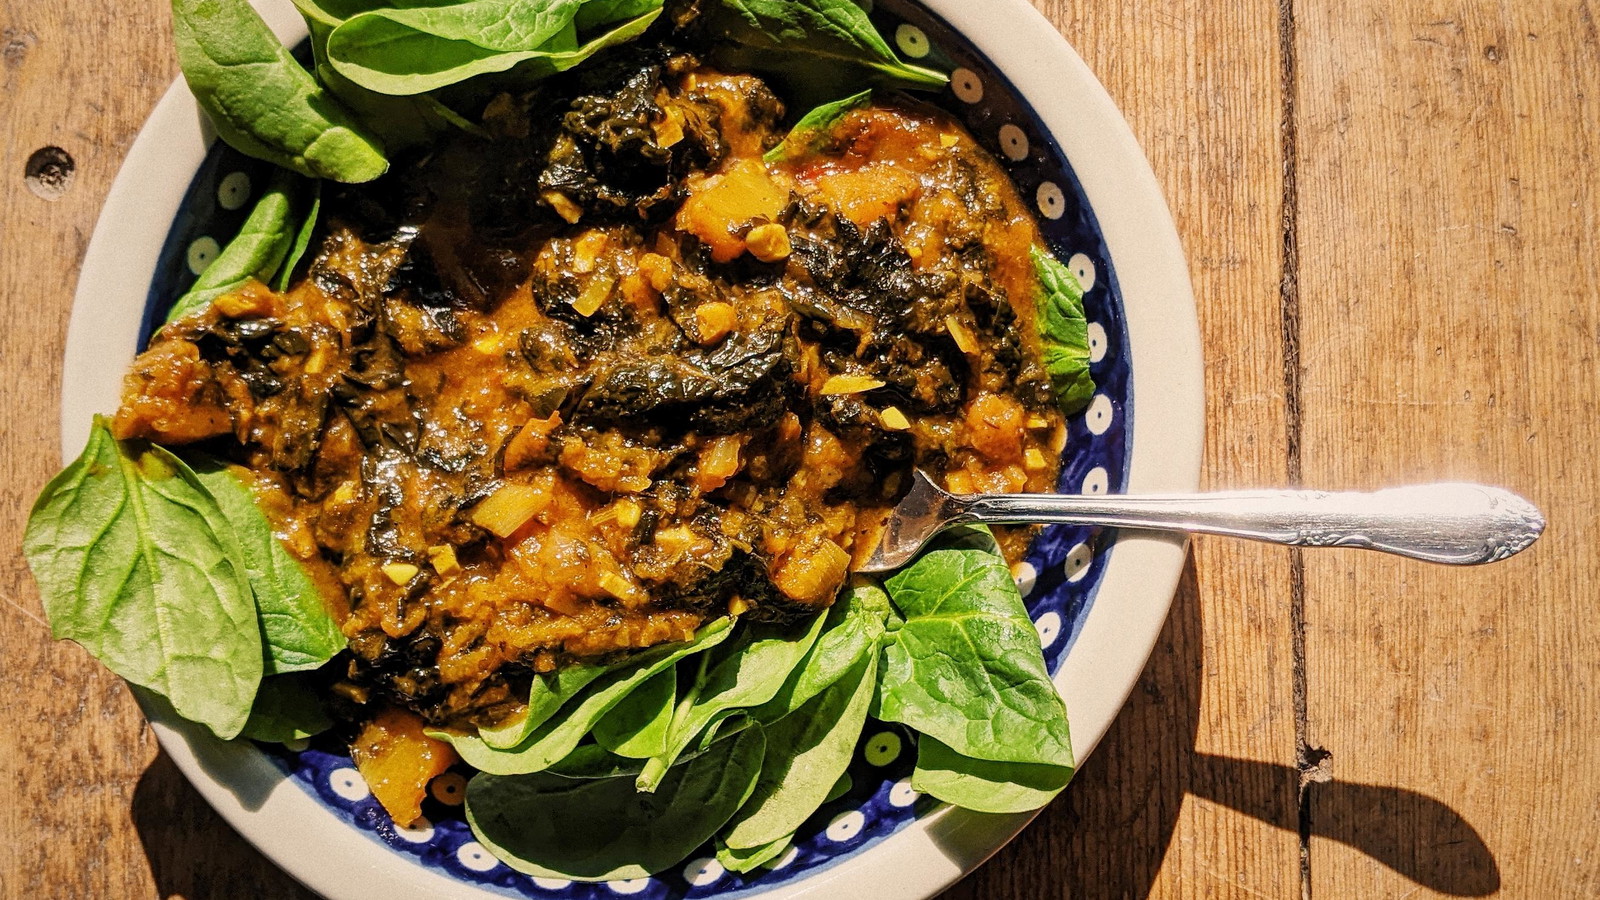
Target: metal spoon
1455, 524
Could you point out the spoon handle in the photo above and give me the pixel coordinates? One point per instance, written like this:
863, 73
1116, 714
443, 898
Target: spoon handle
1455, 524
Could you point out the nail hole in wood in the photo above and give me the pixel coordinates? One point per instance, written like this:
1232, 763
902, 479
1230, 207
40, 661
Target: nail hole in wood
49, 172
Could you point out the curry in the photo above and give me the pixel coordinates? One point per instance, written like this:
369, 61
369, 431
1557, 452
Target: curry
614, 369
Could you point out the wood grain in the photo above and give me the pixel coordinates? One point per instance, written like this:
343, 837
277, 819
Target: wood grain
1193, 793
1430, 163
1447, 232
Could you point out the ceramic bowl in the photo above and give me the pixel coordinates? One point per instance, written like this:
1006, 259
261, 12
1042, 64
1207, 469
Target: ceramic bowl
1097, 598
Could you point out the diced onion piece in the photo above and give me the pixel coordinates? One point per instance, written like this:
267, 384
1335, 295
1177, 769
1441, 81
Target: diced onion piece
958, 481
316, 362
594, 296
1033, 460
948, 140
526, 445
738, 605
849, 384
960, 334
619, 587
893, 419
563, 206
812, 574
489, 345
1037, 421
718, 462
444, 559
769, 243
509, 508
401, 573
669, 130
586, 251
397, 760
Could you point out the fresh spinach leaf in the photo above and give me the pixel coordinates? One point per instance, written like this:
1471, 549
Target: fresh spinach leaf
261, 101
965, 666
257, 251
600, 13
559, 736
637, 727
596, 830
1065, 331
547, 695
984, 785
302, 239
749, 860
807, 753
819, 48
851, 631
746, 673
410, 51
811, 131
299, 631
136, 562
287, 708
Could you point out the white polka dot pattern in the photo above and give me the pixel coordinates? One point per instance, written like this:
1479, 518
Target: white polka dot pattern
627, 886
473, 856
966, 84
203, 252
1049, 628
1013, 143
912, 41
1025, 575
233, 192
348, 784
1097, 342
1052, 203
1096, 481
902, 794
1083, 268
845, 826
701, 872
1077, 564
1099, 414
882, 748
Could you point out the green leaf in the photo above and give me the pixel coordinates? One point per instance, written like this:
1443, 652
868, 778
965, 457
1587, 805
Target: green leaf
753, 858
637, 727
807, 754
257, 251
547, 695
261, 101
598, 830
983, 785
745, 674
1065, 332
600, 13
302, 239
965, 666
811, 132
559, 736
299, 632
410, 51
136, 562
819, 47
287, 708
853, 627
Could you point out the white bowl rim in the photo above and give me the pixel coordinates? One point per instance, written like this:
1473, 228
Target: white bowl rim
296, 831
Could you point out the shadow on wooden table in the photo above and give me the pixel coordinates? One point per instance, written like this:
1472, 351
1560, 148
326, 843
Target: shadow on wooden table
1107, 835
193, 853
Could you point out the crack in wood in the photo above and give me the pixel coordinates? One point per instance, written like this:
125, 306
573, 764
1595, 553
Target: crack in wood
1308, 760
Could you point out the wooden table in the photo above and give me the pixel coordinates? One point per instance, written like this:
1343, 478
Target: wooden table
1389, 208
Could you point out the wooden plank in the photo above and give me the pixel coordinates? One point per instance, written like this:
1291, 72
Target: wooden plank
1447, 232
94, 810
1193, 792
